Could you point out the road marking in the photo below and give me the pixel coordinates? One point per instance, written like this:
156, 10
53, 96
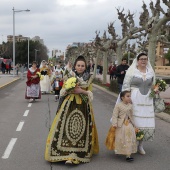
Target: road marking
30, 104
20, 125
9, 148
26, 113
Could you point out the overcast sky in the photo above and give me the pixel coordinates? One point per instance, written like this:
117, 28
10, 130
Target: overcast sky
61, 22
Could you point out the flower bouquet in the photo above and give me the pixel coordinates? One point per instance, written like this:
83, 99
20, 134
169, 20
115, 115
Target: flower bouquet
39, 74
139, 134
160, 85
71, 83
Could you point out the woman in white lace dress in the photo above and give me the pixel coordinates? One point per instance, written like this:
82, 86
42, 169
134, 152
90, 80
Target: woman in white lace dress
139, 79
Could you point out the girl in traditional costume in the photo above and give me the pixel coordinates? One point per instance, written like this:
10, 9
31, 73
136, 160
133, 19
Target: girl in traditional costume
139, 79
122, 121
33, 83
45, 77
73, 134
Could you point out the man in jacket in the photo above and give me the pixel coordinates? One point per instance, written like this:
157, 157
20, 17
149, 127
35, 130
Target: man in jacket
120, 72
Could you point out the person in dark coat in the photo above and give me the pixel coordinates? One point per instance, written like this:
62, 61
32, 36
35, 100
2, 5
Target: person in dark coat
120, 73
3, 67
88, 67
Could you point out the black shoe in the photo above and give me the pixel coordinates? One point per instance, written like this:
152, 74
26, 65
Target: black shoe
129, 159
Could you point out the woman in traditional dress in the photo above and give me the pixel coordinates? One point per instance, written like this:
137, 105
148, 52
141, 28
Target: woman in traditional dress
140, 79
45, 78
73, 134
33, 83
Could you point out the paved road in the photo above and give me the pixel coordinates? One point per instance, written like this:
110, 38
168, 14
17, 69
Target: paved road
32, 129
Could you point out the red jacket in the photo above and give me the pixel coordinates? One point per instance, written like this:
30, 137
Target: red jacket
112, 69
30, 79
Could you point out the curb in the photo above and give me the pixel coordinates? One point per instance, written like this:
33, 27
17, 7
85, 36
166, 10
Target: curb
162, 115
9, 83
105, 90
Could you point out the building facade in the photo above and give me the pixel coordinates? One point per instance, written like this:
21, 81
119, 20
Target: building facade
20, 38
37, 38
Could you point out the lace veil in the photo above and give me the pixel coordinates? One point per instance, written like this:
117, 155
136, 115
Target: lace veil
130, 72
42, 63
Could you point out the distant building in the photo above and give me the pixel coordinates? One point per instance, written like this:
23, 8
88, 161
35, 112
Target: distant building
56, 53
58, 56
37, 38
18, 38
161, 49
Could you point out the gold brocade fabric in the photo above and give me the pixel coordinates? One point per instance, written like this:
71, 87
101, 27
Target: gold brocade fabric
110, 139
73, 133
125, 139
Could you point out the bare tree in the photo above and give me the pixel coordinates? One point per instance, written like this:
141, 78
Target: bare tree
153, 23
3, 49
129, 31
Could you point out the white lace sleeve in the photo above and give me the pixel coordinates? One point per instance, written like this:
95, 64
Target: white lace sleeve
63, 92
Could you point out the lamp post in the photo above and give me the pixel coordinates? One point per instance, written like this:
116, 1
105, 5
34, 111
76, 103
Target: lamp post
14, 35
36, 54
28, 52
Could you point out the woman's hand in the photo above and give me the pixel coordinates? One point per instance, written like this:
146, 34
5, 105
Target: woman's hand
78, 90
34, 76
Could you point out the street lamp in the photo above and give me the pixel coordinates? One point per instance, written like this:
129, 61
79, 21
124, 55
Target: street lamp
36, 54
27, 10
28, 52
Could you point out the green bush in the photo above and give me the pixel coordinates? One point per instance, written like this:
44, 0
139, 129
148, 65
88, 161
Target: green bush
166, 80
167, 108
114, 86
97, 81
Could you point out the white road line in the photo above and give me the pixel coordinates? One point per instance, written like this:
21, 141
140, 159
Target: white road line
20, 125
9, 148
30, 104
26, 113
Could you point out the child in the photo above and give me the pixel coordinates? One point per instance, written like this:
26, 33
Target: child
125, 137
56, 87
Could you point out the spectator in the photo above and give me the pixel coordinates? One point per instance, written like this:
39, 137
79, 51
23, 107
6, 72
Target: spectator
3, 67
101, 70
112, 71
17, 68
10, 68
88, 67
93, 66
7, 68
120, 73
98, 68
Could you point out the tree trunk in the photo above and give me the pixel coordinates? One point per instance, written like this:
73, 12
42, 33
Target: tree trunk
153, 39
105, 68
96, 62
152, 48
119, 54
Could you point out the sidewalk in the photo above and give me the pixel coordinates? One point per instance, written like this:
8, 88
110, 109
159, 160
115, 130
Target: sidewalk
6, 79
165, 95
